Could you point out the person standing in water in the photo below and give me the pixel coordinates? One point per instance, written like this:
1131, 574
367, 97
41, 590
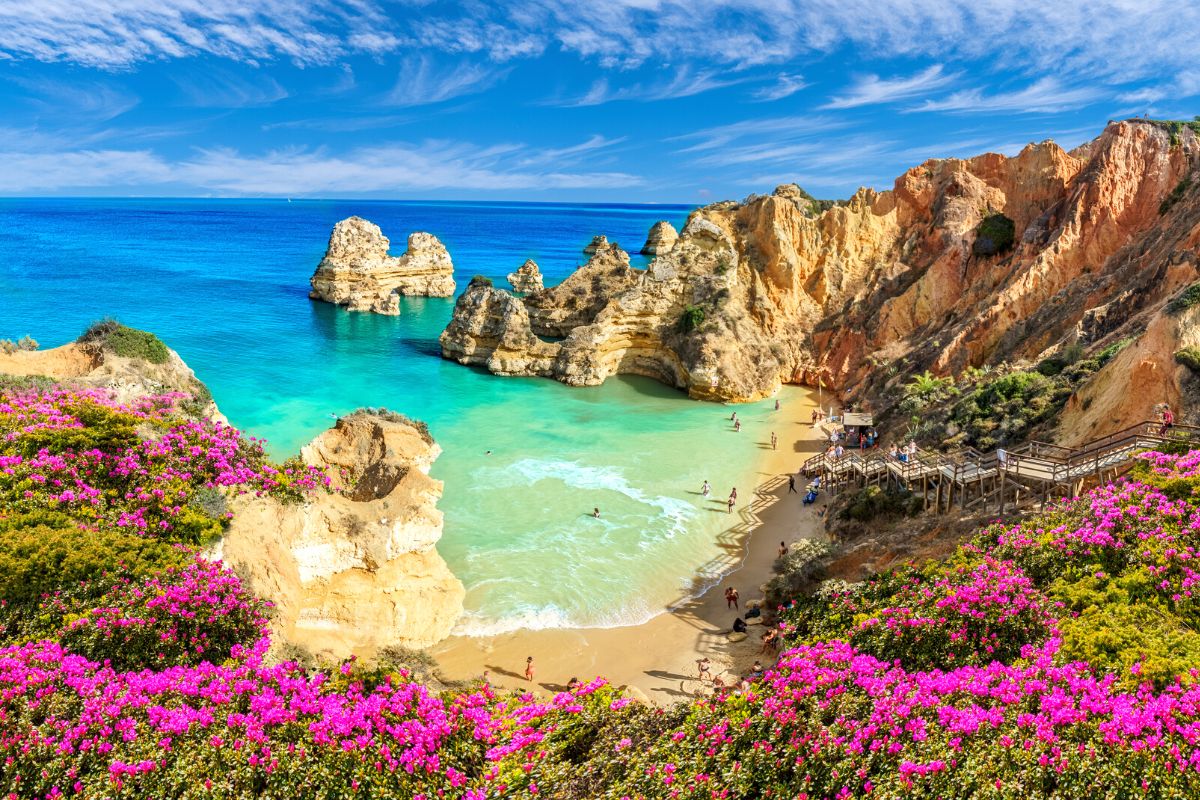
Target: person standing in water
596, 513
737, 426
705, 489
730, 509
529, 669
776, 403
733, 417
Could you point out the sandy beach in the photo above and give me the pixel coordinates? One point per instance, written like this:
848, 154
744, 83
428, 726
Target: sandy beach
658, 657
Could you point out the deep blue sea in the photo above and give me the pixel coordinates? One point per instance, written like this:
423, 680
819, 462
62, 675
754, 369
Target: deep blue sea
225, 283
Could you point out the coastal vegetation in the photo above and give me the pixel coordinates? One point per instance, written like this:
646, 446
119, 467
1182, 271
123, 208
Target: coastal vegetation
1056, 656
989, 407
1184, 300
994, 234
126, 342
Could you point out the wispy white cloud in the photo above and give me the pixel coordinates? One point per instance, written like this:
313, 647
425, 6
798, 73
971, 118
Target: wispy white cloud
96, 101
872, 89
397, 167
220, 88
1043, 95
562, 156
783, 86
686, 82
779, 129
115, 35
422, 82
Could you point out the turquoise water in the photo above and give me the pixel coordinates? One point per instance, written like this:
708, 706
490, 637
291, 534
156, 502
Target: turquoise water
225, 283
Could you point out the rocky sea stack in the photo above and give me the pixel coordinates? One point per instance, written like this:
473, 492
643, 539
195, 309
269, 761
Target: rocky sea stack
527, 279
1083, 249
357, 569
660, 240
358, 274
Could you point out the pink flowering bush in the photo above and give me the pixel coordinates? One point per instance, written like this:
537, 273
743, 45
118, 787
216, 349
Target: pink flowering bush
79, 452
1054, 658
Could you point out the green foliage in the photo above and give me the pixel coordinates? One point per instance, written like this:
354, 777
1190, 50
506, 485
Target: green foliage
1176, 194
19, 383
8, 346
794, 572
691, 318
1175, 127
126, 342
46, 553
1004, 409
1184, 300
995, 234
480, 280
926, 388
872, 502
1106, 355
1189, 357
28, 344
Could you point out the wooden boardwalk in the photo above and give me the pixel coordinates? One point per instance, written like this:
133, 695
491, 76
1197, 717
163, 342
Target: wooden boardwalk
1034, 472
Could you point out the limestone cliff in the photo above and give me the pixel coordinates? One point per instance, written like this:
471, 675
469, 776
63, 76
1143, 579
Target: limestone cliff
92, 364
597, 243
358, 569
660, 240
358, 274
962, 263
527, 279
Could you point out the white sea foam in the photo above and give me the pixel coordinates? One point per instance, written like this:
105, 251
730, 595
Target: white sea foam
478, 624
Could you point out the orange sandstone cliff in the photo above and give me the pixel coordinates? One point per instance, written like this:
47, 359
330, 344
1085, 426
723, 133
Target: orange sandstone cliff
1091, 244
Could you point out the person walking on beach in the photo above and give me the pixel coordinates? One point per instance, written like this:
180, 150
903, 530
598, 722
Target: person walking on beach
731, 595
529, 669
731, 503
774, 440
702, 669
792, 484
705, 489
776, 403
783, 549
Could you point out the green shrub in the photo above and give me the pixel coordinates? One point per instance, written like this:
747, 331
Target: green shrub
1004, 409
1184, 300
8, 346
872, 502
121, 340
1176, 194
691, 318
480, 280
1106, 355
1190, 358
28, 344
995, 234
926, 388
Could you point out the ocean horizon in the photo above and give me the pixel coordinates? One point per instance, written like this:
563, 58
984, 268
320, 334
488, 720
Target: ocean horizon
225, 282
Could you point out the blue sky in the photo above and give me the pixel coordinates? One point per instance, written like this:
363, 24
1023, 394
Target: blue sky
605, 100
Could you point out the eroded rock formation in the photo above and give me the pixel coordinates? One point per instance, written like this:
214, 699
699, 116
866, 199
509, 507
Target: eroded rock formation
527, 279
358, 569
597, 243
660, 240
358, 274
884, 285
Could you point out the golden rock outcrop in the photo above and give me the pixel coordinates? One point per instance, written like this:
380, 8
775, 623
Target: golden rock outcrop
357, 569
770, 291
358, 274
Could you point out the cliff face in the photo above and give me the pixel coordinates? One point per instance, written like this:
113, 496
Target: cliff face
127, 378
358, 569
889, 283
527, 279
358, 274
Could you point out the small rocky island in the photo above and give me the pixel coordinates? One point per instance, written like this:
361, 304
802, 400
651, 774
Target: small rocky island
358, 274
527, 279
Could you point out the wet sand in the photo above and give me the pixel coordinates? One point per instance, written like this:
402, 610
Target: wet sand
658, 657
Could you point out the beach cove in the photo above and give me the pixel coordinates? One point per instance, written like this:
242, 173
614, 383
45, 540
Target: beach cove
658, 657
224, 283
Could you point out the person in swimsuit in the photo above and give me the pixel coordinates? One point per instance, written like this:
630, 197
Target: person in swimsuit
529, 669
737, 426
705, 489
774, 439
596, 513
783, 549
702, 669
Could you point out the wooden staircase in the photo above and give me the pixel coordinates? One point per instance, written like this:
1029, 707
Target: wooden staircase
1034, 472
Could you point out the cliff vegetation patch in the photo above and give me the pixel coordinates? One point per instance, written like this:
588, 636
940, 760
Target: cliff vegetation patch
126, 342
994, 234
